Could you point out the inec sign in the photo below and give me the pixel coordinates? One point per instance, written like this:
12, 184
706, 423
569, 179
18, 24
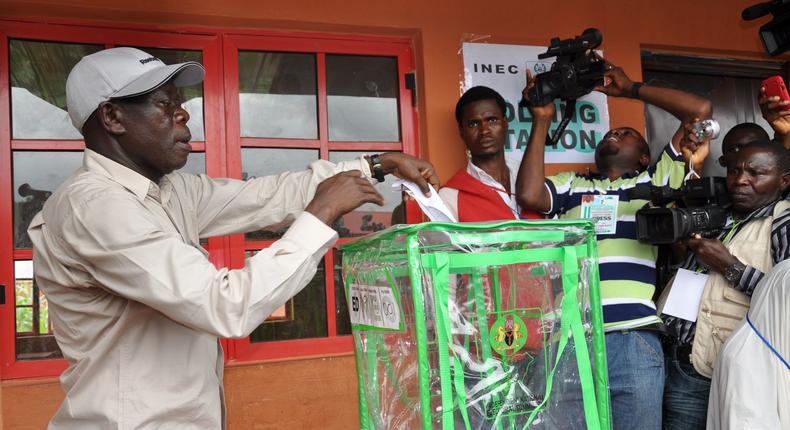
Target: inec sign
503, 68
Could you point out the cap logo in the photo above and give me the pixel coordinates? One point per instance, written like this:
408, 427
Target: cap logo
149, 59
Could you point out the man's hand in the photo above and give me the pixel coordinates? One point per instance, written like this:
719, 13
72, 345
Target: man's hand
543, 113
341, 194
776, 112
615, 82
711, 253
693, 149
410, 168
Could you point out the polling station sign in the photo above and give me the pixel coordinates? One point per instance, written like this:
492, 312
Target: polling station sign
503, 68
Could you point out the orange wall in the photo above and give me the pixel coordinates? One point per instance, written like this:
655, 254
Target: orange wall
711, 27
321, 393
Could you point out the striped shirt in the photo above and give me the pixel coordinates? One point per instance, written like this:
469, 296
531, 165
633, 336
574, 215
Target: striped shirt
627, 267
684, 330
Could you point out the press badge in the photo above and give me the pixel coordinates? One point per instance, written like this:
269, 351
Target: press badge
601, 209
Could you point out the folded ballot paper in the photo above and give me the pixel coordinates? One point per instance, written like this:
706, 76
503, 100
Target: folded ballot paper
432, 206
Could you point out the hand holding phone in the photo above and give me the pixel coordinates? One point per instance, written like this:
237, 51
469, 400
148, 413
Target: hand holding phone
775, 87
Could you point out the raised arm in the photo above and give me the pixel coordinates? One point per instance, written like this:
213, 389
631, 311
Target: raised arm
531, 192
777, 113
686, 107
682, 105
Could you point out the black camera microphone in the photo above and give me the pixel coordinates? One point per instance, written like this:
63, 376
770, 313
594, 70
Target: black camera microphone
759, 10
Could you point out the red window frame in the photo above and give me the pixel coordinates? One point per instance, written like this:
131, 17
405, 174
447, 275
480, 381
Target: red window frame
222, 147
214, 144
320, 45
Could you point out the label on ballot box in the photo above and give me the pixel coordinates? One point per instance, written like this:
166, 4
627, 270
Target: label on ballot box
374, 307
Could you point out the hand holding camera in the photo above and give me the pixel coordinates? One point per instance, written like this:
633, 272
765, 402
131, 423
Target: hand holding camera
711, 253
539, 113
695, 143
615, 82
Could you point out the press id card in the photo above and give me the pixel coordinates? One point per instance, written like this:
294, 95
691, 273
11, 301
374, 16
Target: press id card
602, 209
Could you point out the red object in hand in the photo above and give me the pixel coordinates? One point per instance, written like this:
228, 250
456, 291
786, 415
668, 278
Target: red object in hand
775, 87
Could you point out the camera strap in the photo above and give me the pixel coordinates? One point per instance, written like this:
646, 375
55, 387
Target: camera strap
692, 174
567, 114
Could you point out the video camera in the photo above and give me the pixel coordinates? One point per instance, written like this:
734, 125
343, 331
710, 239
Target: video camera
575, 73
775, 34
703, 209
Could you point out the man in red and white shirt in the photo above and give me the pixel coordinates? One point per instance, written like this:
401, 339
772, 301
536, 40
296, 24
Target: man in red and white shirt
483, 190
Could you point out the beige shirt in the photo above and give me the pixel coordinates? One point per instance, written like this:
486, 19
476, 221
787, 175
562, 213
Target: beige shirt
136, 306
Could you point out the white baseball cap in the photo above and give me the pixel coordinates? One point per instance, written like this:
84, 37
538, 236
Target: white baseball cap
121, 73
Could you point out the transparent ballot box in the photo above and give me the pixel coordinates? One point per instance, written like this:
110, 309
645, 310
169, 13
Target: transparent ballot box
478, 326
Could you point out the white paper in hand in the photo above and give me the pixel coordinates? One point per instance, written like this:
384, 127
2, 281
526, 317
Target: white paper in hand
686, 293
432, 206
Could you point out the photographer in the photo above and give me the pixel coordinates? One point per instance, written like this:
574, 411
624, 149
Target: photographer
755, 238
627, 267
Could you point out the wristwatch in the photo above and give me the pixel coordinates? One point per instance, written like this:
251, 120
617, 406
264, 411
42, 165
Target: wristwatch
376, 170
734, 272
635, 90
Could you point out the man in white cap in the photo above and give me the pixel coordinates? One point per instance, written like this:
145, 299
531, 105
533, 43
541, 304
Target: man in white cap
137, 307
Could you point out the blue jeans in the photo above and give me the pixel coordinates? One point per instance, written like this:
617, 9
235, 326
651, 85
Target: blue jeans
636, 379
685, 397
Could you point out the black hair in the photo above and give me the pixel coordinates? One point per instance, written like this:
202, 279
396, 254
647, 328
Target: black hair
777, 150
476, 94
746, 127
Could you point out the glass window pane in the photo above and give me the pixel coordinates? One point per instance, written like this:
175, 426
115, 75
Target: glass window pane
256, 162
196, 164
34, 340
24, 320
23, 288
368, 217
342, 318
308, 317
36, 175
38, 87
362, 94
192, 96
24, 293
43, 311
277, 95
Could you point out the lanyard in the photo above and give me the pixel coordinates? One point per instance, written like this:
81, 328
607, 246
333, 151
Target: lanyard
731, 232
727, 238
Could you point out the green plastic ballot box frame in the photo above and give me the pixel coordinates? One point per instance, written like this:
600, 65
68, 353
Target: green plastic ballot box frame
478, 326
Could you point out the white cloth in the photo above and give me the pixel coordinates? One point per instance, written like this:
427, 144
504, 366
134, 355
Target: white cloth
136, 305
751, 386
450, 195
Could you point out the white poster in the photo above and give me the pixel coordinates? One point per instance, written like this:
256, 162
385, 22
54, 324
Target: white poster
503, 68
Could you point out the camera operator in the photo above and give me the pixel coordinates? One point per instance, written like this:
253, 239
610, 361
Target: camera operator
627, 266
755, 238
